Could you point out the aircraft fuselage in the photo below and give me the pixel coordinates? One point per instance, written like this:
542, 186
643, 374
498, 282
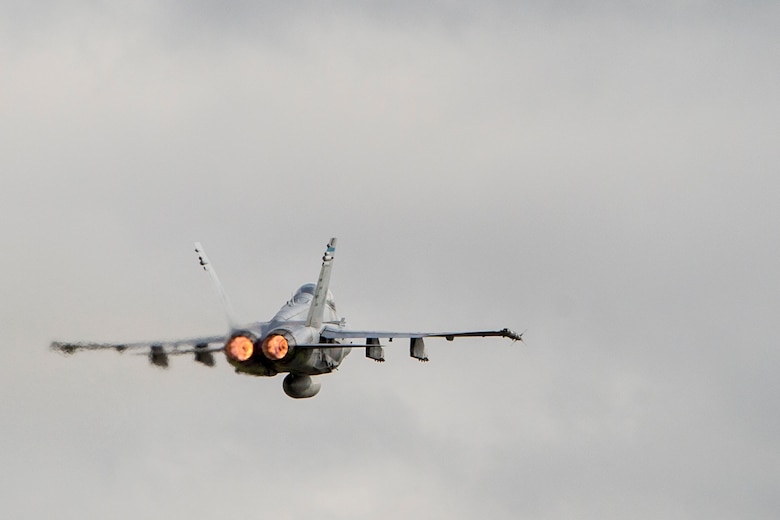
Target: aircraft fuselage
300, 357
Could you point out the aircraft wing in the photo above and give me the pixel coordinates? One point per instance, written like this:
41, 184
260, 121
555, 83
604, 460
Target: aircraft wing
336, 333
374, 349
158, 351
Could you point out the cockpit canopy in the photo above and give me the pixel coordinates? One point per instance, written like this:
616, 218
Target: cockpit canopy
305, 294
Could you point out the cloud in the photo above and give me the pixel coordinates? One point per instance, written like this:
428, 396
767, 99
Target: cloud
602, 176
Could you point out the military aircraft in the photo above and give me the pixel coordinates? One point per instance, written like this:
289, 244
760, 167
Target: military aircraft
305, 338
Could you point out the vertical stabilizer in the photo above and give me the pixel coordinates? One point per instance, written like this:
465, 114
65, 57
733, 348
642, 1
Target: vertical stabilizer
204, 262
317, 309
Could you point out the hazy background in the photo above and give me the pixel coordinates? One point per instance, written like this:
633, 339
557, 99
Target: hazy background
604, 174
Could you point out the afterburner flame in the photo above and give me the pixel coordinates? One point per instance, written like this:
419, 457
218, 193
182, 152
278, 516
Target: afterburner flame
240, 348
275, 347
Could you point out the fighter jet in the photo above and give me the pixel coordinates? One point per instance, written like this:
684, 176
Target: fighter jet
305, 338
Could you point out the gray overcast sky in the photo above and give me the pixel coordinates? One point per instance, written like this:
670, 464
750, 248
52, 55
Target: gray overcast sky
604, 174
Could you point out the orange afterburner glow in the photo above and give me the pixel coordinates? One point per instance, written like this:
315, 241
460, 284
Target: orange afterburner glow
239, 348
275, 347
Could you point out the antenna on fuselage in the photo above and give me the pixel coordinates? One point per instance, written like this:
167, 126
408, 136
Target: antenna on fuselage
227, 307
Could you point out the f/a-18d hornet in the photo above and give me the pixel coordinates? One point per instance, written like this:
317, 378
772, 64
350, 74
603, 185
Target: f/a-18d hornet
305, 338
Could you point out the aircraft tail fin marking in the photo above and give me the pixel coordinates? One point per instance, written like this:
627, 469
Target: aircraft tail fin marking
226, 305
317, 309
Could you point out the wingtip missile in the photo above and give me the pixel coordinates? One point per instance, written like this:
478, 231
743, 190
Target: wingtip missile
514, 336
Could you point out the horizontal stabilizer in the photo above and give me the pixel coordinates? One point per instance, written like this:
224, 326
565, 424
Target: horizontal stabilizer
337, 345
